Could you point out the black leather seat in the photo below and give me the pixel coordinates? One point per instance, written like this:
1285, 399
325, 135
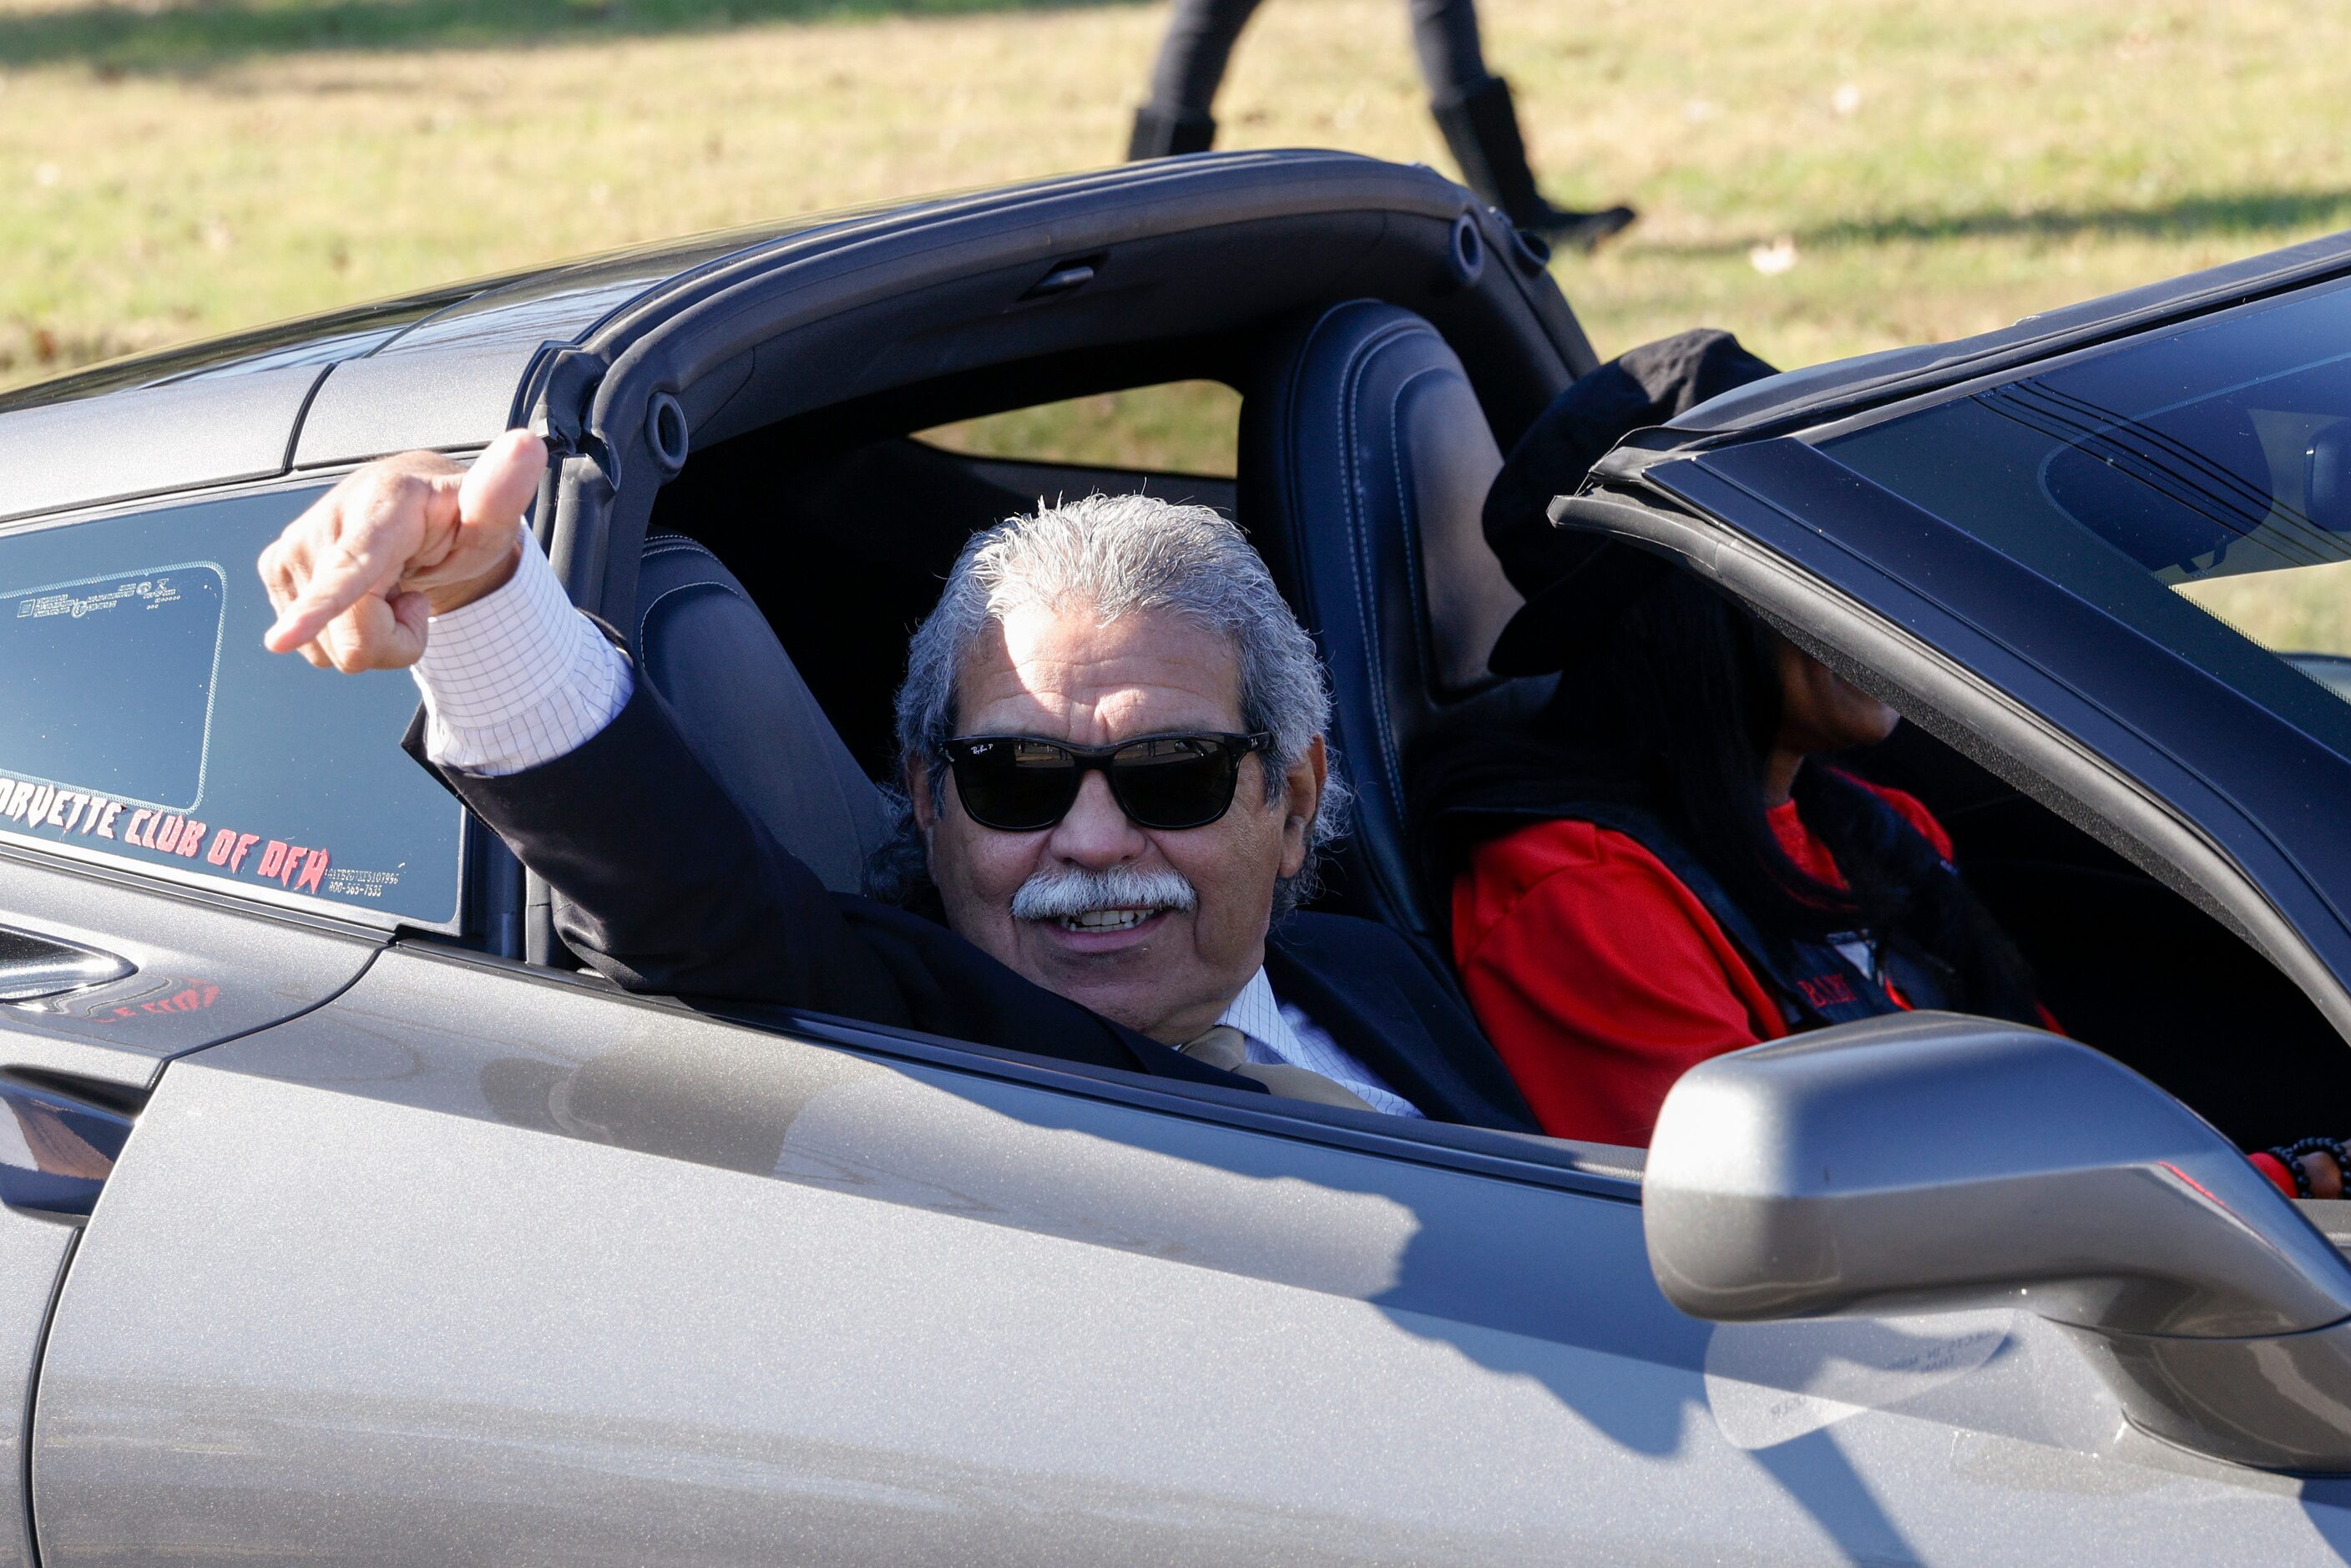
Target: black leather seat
706, 648
1364, 467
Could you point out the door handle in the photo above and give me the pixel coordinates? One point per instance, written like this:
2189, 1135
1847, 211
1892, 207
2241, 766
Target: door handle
33, 965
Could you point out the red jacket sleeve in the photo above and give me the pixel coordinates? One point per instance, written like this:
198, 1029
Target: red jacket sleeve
1598, 976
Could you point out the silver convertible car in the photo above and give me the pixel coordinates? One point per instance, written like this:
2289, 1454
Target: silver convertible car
346, 1221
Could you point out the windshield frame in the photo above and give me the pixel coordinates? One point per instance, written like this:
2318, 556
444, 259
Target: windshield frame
2266, 676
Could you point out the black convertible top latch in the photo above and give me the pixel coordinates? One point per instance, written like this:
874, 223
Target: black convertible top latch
1065, 276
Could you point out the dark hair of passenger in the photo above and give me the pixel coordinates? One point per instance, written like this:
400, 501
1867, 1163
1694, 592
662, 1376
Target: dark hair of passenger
1680, 709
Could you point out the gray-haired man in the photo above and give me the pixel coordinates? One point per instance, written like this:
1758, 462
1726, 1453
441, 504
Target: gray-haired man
1112, 746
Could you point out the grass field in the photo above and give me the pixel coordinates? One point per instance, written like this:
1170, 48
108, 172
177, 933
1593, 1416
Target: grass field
175, 168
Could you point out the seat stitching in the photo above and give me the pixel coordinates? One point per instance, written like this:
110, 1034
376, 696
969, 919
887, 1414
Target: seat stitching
1383, 724
1351, 373
646, 619
1358, 542
1411, 537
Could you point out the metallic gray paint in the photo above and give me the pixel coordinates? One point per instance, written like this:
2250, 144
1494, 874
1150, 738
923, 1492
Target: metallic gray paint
57, 1146
34, 966
1943, 1162
205, 970
33, 1252
364, 329
469, 1265
303, 340
369, 407
493, 1268
150, 440
1930, 1158
2282, 1402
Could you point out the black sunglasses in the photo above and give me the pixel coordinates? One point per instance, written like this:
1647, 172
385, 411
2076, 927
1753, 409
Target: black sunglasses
1018, 784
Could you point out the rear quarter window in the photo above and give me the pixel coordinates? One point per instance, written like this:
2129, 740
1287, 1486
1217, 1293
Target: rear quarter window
143, 724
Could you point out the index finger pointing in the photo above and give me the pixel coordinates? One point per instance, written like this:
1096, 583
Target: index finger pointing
349, 574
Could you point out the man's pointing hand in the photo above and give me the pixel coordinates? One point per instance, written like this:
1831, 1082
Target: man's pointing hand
354, 578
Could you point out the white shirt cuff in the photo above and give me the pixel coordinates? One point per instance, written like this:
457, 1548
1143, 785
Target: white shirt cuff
518, 677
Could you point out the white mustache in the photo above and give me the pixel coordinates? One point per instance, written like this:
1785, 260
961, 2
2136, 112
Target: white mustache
1067, 893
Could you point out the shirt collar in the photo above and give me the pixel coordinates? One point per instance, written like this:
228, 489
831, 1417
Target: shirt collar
1256, 1014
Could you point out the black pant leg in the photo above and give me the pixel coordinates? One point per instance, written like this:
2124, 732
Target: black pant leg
1194, 54
1445, 36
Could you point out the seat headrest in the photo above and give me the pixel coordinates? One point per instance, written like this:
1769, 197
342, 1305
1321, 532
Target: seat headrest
1364, 467
702, 640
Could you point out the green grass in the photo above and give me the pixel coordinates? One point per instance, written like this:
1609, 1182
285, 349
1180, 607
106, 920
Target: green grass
174, 169
1185, 427
181, 38
2305, 610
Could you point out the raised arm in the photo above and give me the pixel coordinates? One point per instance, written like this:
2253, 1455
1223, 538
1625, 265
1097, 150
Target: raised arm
664, 882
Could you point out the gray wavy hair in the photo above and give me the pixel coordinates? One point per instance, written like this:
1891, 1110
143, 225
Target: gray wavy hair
1117, 555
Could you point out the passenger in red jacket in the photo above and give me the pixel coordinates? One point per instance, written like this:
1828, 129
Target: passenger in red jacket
1663, 868
1666, 871
1666, 865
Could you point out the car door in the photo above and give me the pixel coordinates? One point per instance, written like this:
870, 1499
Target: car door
156, 781
482, 1263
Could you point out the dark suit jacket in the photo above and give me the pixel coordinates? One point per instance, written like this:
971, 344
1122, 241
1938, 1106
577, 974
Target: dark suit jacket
666, 885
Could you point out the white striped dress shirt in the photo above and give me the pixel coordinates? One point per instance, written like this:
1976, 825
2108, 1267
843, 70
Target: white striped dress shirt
1279, 1032
518, 677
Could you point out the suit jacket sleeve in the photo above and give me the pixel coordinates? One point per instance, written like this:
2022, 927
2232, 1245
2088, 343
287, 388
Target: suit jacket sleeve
666, 885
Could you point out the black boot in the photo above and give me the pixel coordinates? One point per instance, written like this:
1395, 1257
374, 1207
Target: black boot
1162, 133
1481, 127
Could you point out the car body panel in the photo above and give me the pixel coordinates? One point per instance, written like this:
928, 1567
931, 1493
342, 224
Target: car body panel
33, 1253
149, 440
450, 402
448, 381
207, 969
313, 340
514, 1280
355, 330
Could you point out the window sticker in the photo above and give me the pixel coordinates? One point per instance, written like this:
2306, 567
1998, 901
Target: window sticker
143, 722
110, 684
76, 814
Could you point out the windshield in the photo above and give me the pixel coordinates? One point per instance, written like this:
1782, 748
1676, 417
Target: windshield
2196, 482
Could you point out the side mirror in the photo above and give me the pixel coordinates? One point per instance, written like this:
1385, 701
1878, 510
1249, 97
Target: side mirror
1932, 1162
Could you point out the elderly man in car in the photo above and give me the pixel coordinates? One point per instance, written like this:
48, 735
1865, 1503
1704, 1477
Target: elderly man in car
1110, 739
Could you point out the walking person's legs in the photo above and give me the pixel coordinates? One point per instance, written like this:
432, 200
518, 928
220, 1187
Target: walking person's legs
1473, 107
1184, 79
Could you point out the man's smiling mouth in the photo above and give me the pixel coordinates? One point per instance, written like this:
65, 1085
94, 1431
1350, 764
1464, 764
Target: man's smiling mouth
1103, 910
1106, 919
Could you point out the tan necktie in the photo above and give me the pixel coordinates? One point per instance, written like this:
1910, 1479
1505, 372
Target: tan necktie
1224, 1047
